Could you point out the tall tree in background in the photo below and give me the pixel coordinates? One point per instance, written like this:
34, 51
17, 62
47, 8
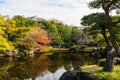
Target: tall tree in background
29, 22
107, 6
20, 20
59, 33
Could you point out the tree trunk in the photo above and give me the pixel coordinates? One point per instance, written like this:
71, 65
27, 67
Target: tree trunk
109, 62
110, 55
103, 32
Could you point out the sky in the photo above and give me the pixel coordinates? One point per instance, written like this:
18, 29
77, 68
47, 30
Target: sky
68, 11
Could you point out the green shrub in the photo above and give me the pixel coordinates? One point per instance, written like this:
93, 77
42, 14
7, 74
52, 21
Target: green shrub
83, 47
73, 47
49, 49
101, 62
26, 51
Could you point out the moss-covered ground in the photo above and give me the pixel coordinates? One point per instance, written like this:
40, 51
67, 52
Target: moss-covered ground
100, 75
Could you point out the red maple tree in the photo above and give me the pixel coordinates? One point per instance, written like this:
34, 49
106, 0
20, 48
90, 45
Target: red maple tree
35, 40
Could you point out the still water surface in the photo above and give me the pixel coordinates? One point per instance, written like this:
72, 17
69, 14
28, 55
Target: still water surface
42, 66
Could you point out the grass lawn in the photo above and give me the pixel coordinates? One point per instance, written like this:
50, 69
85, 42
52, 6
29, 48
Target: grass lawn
100, 75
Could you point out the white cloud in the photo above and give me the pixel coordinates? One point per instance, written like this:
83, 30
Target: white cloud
68, 11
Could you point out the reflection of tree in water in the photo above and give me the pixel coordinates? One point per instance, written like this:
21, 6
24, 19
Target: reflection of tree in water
4, 66
67, 66
79, 60
68, 60
56, 62
61, 59
29, 68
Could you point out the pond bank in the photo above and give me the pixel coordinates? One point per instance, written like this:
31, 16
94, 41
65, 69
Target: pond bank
91, 49
61, 50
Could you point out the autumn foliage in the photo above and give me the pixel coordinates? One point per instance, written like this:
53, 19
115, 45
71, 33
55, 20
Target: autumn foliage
40, 64
36, 39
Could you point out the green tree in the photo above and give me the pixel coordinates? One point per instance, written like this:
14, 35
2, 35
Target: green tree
59, 32
67, 34
30, 22
107, 6
97, 25
9, 27
2, 21
53, 29
20, 21
116, 19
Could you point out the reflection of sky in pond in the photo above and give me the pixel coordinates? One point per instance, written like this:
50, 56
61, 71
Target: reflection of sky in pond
51, 76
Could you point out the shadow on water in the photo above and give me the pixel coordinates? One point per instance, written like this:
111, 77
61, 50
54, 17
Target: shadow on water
42, 66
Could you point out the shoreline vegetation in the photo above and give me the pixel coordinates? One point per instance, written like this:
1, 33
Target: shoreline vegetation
94, 69
100, 75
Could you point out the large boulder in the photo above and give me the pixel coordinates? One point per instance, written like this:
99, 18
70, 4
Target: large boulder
85, 76
77, 75
96, 54
69, 75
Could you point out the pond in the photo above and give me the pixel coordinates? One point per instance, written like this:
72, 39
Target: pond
48, 66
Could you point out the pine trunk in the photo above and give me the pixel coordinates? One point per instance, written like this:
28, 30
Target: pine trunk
109, 63
110, 54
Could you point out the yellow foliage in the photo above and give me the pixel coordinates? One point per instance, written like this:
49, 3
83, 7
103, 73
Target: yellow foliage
4, 44
1, 20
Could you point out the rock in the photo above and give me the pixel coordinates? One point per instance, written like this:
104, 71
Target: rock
85, 76
77, 74
69, 75
116, 60
96, 54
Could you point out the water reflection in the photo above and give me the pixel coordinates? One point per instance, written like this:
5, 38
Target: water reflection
41, 67
47, 75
